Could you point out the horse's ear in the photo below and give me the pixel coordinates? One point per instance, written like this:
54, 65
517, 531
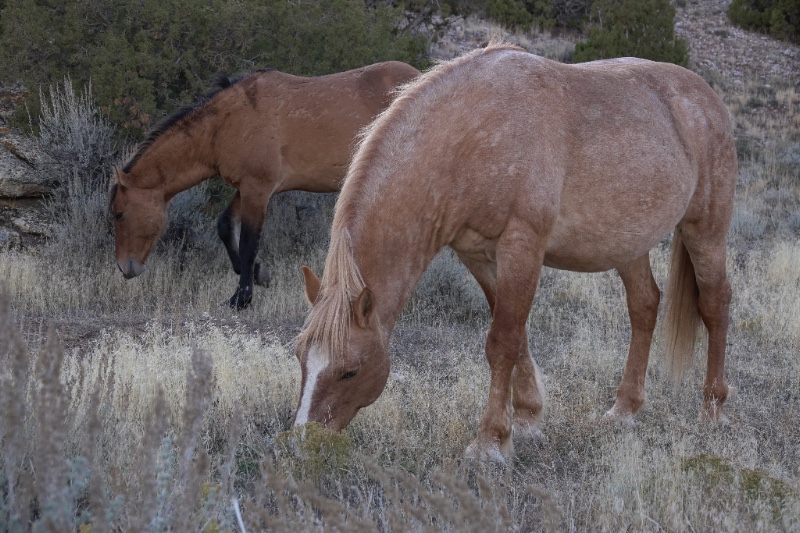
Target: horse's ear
363, 307
312, 284
122, 177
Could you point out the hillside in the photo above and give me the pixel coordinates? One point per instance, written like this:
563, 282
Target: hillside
149, 405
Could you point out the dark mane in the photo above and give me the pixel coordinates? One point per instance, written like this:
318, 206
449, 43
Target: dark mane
221, 82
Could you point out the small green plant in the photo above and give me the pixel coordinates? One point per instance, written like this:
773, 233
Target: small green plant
634, 28
313, 452
717, 474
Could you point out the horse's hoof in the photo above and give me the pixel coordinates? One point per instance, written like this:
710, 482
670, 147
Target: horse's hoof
481, 452
261, 276
239, 301
618, 417
712, 414
527, 433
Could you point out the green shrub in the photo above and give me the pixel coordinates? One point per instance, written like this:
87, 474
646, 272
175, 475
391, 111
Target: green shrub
313, 452
570, 14
638, 28
146, 58
509, 13
778, 18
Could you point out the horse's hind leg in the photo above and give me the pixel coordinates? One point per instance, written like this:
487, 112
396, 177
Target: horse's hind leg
708, 256
228, 228
642, 296
528, 395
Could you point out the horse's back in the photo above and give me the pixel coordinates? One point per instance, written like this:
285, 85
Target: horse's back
605, 157
299, 132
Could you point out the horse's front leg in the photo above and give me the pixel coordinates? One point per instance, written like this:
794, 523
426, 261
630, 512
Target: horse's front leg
519, 259
528, 395
228, 225
252, 211
229, 231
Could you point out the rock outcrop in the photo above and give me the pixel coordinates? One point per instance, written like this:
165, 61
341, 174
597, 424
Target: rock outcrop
19, 159
23, 190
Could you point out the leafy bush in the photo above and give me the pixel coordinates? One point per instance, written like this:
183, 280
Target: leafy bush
146, 58
571, 14
510, 13
778, 18
636, 28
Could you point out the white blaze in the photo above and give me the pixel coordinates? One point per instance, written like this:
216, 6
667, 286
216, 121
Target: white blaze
315, 364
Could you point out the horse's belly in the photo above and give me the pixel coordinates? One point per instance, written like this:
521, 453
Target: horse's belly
595, 256
609, 215
600, 248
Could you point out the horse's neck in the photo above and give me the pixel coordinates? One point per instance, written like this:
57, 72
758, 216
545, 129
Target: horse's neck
392, 252
176, 161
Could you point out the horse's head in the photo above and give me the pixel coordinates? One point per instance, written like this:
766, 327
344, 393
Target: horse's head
336, 385
140, 217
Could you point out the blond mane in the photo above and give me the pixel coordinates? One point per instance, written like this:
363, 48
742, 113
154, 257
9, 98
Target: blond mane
328, 323
371, 135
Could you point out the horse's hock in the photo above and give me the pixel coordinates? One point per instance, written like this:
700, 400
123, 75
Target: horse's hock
21, 187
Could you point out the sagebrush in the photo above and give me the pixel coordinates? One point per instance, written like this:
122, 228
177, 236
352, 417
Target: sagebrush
147, 405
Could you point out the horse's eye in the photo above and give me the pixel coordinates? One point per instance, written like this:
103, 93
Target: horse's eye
118, 216
348, 375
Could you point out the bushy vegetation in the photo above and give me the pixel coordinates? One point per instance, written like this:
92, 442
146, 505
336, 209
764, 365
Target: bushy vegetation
78, 142
569, 14
145, 405
521, 14
635, 28
778, 18
149, 407
146, 58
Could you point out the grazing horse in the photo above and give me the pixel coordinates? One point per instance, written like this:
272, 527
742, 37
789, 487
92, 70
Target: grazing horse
264, 133
515, 162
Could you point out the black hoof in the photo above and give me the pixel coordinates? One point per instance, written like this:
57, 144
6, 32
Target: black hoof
241, 299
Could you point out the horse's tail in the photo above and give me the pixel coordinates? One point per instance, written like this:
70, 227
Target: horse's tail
682, 316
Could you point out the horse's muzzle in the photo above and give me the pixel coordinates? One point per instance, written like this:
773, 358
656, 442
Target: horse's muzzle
131, 268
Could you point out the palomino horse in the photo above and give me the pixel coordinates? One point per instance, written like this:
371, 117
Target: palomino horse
264, 133
516, 162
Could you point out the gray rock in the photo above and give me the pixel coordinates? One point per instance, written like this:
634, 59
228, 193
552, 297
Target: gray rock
9, 238
19, 158
23, 222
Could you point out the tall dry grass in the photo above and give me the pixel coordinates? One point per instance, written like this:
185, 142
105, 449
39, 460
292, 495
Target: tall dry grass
150, 406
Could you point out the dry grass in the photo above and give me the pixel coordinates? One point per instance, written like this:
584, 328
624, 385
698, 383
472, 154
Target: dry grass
160, 410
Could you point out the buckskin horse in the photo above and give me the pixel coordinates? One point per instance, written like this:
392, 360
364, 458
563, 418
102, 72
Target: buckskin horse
515, 162
264, 133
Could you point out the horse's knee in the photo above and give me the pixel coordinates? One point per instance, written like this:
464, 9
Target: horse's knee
503, 347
